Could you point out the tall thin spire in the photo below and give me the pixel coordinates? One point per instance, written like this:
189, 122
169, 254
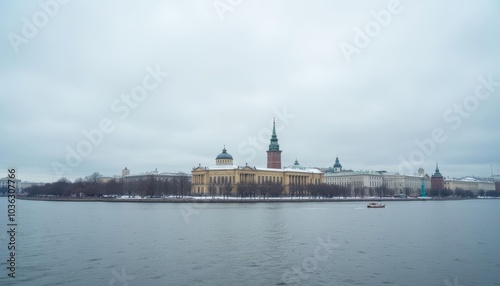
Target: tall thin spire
274, 128
274, 146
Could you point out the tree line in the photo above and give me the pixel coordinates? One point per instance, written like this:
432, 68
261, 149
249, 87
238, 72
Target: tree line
462, 193
273, 189
180, 186
91, 186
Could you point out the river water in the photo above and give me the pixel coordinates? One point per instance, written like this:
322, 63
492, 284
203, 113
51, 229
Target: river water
446, 243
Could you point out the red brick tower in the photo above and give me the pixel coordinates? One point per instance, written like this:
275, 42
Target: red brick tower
274, 152
437, 180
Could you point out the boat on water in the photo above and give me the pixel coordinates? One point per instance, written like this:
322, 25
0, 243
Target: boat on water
375, 206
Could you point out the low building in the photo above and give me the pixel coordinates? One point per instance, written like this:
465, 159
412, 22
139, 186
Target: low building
496, 179
369, 180
159, 176
4, 183
469, 184
26, 184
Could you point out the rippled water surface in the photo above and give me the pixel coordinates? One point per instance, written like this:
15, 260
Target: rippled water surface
407, 243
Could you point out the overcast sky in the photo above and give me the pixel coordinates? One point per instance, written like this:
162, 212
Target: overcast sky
383, 85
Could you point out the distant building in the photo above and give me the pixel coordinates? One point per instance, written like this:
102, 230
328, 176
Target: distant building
26, 184
437, 180
369, 180
421, 172
496, 179
125, 172
469, 184
159, 176
4, 183
225, 173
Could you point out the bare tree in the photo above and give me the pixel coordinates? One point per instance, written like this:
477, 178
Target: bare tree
264, 189
150, 186
184, 185
246, 189
226, 188
212, 190
407, 191
275, 189
359, 191
93, 177
114, 187
293, 190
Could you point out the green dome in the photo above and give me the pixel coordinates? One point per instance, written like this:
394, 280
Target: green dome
224, 155
296, 165
337, 163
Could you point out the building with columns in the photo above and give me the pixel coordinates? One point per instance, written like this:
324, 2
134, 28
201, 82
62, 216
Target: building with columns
369, 180
226, 174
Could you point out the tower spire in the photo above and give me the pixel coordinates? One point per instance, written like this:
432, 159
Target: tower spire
337, 167
274, 126
274, 146
274, 152
437, 173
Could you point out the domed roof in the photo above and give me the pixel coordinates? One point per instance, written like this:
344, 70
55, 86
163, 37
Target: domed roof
296, 165
224, 155
337, 163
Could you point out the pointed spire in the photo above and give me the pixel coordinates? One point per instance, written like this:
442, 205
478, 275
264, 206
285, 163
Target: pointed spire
274, 128
274, 146
437, 174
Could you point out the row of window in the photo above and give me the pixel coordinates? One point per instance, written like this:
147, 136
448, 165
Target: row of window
274, 179
222, 180
260, 179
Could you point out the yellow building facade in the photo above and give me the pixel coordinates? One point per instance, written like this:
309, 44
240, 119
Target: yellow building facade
227, 175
